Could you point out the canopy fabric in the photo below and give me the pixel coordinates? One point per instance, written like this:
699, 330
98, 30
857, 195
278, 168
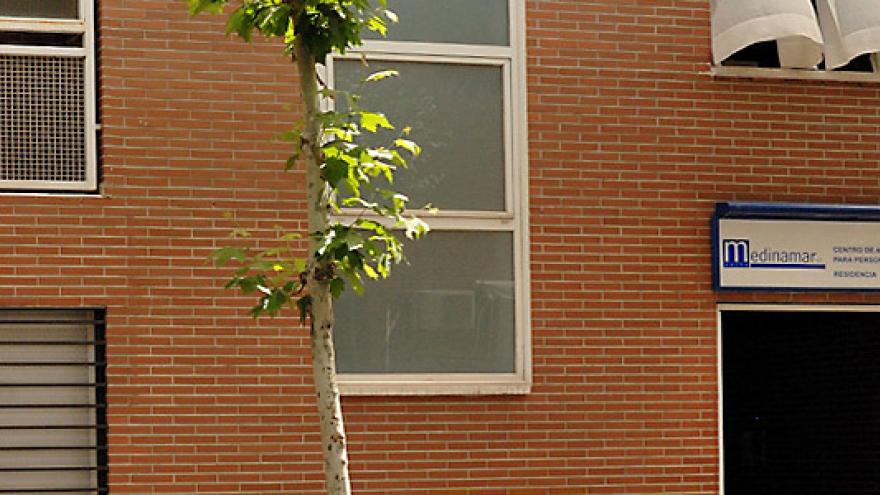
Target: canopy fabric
737, 24
850, 28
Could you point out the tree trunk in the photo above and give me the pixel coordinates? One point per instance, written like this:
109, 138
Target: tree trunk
333, 441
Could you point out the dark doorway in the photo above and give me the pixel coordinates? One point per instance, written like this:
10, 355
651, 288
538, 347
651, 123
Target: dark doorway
801, 398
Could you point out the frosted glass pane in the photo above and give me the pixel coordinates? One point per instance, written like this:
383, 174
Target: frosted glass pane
54, 9
450, 311
481, 22
457, 115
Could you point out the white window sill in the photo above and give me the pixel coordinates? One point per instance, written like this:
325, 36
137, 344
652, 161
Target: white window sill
728, 72
440, 384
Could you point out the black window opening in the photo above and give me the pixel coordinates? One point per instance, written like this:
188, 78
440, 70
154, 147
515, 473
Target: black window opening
53, 421
763, 54
801, 402
67, 40
766, 55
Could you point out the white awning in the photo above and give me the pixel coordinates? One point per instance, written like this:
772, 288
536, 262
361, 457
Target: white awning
737, 24
850, 28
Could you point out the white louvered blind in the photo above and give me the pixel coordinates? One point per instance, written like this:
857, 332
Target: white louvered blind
47, 100
737, 24
52, 438
806, 32
851, 28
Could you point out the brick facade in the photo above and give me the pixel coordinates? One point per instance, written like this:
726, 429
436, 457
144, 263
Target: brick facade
631, 144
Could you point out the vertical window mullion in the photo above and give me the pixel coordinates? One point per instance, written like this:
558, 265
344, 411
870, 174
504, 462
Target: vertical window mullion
100, 373
509, 124
91, 104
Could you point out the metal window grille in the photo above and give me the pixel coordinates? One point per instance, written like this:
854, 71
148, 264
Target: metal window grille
53, 433
42, 111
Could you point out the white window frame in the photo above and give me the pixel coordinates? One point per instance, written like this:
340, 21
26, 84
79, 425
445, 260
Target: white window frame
513, 219
739, 307
85, 26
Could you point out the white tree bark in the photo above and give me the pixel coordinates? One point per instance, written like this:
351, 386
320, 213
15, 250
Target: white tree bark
333, 441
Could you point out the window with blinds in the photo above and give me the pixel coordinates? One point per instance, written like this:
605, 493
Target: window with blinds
53, 435
800, 34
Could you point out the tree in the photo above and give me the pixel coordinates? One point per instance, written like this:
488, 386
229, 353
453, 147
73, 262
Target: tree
342, 172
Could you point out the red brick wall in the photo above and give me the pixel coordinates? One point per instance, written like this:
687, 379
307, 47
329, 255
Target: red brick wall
631, 145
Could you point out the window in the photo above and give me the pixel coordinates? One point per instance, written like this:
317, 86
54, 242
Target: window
800, 34
47, 96
456, 319
53, 435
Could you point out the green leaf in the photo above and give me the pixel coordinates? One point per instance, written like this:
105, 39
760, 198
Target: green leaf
372, 121
334, 170
399, 201
356, 284
370, 271
353, 186
377, 24
276, 301
337, 287
413, 148
223, 255
211, 6
384, 74
354, 259
338, 134
241, 22
248, 285
416, 227
274, 20
359, 203
396, 159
